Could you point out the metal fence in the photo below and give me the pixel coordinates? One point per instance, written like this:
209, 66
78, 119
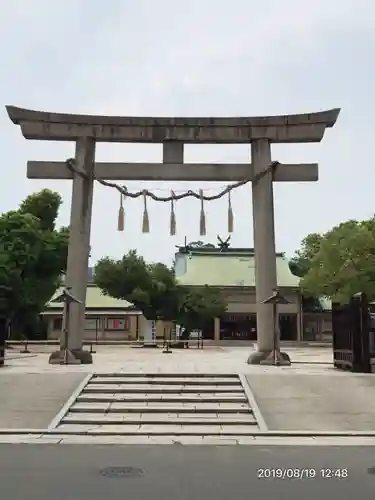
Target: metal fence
353, 335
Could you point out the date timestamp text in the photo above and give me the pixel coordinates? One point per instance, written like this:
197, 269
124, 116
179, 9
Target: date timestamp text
299, 473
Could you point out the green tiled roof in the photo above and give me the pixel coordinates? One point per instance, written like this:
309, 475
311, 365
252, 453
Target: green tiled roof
223, 270
95, 299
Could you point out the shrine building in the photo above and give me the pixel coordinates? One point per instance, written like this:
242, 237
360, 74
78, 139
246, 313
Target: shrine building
232, 272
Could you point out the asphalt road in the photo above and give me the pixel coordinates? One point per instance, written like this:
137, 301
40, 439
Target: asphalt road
76, 472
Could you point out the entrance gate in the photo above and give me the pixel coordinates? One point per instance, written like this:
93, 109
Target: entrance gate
173, 133
351, 328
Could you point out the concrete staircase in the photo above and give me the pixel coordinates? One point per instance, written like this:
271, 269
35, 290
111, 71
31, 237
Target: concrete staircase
161, 405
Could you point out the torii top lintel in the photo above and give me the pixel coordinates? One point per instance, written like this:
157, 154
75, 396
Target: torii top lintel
40, 125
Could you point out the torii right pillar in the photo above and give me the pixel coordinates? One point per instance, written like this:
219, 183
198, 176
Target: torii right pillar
265, 251
268, 341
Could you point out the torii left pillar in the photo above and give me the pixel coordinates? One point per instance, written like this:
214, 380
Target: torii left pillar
79, 250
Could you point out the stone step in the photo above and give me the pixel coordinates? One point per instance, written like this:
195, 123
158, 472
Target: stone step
161, 405
167, 375
151, 389
150, 408
161, 430
111, 396
167, 381
156, 419
201, 405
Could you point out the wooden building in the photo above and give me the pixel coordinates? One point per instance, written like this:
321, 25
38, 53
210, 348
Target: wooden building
232, 271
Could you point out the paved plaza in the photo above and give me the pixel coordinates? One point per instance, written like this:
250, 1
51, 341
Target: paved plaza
307, 402
32, 400
209, 360
320, 402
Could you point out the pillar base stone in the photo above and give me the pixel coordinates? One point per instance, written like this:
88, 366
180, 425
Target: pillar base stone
74, 357
268, 358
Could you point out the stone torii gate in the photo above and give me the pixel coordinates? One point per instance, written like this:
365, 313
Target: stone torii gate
173, 133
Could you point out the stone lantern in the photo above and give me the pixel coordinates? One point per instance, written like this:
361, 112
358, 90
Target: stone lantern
276, 357
67, 357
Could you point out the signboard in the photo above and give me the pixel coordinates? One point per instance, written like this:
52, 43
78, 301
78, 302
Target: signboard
117, 324
149, 332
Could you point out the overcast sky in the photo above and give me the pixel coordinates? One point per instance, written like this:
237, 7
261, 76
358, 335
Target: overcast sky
195, 58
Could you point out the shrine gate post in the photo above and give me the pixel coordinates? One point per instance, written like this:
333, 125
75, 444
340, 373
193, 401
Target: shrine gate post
173, 133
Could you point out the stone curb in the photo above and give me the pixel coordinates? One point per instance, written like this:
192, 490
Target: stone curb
255, 434
192, 375
184, 440
253, 404
70, 402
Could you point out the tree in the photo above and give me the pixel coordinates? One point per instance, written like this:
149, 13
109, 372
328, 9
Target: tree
198, 306
344, 263
301, 261
44, 205
33, 256
153, 289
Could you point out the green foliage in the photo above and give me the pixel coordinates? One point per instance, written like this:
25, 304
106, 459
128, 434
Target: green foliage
44, 205
153, 289
32, 257
198, 306
150, 287
301, 261
343, 263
